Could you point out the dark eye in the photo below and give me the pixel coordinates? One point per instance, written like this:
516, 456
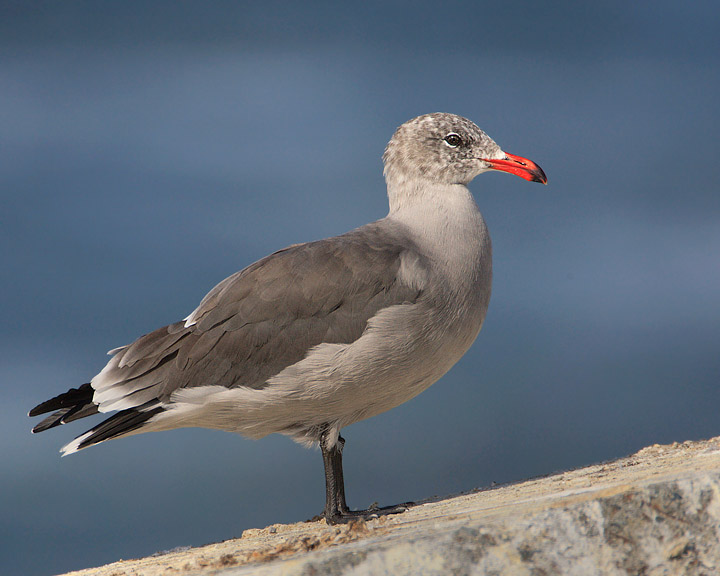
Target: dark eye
453, 140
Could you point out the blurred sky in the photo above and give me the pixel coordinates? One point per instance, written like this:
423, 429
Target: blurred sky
150, 149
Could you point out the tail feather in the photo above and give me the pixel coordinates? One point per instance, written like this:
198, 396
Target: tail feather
120, 424
78, 403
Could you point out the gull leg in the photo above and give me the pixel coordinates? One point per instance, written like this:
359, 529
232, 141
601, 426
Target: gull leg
339, 477
336, 510
332, 460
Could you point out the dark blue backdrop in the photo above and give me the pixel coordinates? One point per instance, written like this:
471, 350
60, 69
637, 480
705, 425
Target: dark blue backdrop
149, 149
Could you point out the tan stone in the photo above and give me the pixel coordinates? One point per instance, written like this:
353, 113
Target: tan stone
655, 512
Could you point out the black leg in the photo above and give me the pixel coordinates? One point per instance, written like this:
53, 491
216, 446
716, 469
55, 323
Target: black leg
339, 476
334, 483
336, 509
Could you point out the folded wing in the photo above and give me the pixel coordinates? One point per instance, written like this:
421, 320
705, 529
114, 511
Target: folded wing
250, 327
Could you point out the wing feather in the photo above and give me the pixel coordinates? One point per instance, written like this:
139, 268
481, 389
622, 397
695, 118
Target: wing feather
266, 317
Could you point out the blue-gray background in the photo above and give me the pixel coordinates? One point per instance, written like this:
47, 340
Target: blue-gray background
149, 149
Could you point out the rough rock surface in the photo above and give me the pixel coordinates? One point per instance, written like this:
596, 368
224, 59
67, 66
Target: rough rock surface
655, 512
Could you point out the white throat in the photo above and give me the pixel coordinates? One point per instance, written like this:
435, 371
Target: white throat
444, 218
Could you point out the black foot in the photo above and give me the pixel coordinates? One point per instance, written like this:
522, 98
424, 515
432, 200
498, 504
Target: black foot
370, 514
336, 510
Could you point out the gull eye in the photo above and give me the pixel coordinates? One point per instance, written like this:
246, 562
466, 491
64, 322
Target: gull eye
453, 140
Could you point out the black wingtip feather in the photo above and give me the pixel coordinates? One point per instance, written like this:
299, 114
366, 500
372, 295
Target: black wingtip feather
120, 424
65, 415
70, 399
51, 421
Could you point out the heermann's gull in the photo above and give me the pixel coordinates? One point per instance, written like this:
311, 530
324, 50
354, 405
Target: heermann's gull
320, 335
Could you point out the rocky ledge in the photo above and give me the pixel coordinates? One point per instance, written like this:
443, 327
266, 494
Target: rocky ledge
655, 512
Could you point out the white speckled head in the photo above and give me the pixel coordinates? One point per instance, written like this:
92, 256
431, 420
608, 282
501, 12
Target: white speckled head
440, 148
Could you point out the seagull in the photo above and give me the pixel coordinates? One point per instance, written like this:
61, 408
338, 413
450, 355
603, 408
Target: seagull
320, 335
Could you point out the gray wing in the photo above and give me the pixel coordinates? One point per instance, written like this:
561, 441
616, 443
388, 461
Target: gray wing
268, 316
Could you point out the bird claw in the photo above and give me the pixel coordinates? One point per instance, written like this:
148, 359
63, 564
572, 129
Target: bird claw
372, 513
